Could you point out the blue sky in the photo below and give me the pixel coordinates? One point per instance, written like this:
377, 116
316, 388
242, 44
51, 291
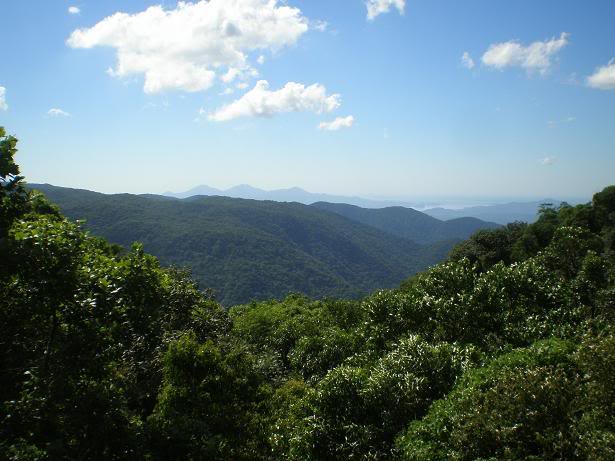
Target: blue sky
373, 106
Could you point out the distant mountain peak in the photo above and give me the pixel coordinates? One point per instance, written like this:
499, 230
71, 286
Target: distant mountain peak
291, 194
245, 187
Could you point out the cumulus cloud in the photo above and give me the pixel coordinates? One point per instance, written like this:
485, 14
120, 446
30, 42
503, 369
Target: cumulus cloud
536, 57
467, 61
3, 104
74, 10
604, 77
55, 112
293, 97
548, 161
238, 74
337, 124
186, 47
378, 7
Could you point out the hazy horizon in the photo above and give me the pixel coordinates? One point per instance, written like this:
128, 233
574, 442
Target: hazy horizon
416, 202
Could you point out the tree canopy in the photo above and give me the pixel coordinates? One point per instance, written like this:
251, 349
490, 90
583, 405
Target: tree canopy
505, 351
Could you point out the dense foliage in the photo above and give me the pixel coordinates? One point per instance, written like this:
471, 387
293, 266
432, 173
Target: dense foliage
248, 249
506, 351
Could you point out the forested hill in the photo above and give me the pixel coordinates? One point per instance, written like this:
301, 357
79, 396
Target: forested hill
247, 249
505, 351
409, 223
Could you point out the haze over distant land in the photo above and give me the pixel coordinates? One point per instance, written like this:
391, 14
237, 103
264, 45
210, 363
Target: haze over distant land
500, 211
293, 194
503, 213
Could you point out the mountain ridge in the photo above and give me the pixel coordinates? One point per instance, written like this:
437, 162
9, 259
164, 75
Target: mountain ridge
250, 249
291, 194
500, 213
409, 223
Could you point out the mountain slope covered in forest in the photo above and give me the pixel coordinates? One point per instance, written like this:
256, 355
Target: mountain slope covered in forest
247, 249
503, 352
409, 223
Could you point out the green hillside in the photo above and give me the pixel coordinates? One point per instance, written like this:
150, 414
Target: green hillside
247, 249
505, 351
409, 223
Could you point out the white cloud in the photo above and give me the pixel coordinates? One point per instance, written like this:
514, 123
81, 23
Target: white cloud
467, 61
261, 60
74, 10
55, 112
231, 75
572, 79
201, 114
604, 77
239, 74
554, 123
536, 56
377, 7
320, 26
337, 124
548, 161
186, 47
293, 97
3, 104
